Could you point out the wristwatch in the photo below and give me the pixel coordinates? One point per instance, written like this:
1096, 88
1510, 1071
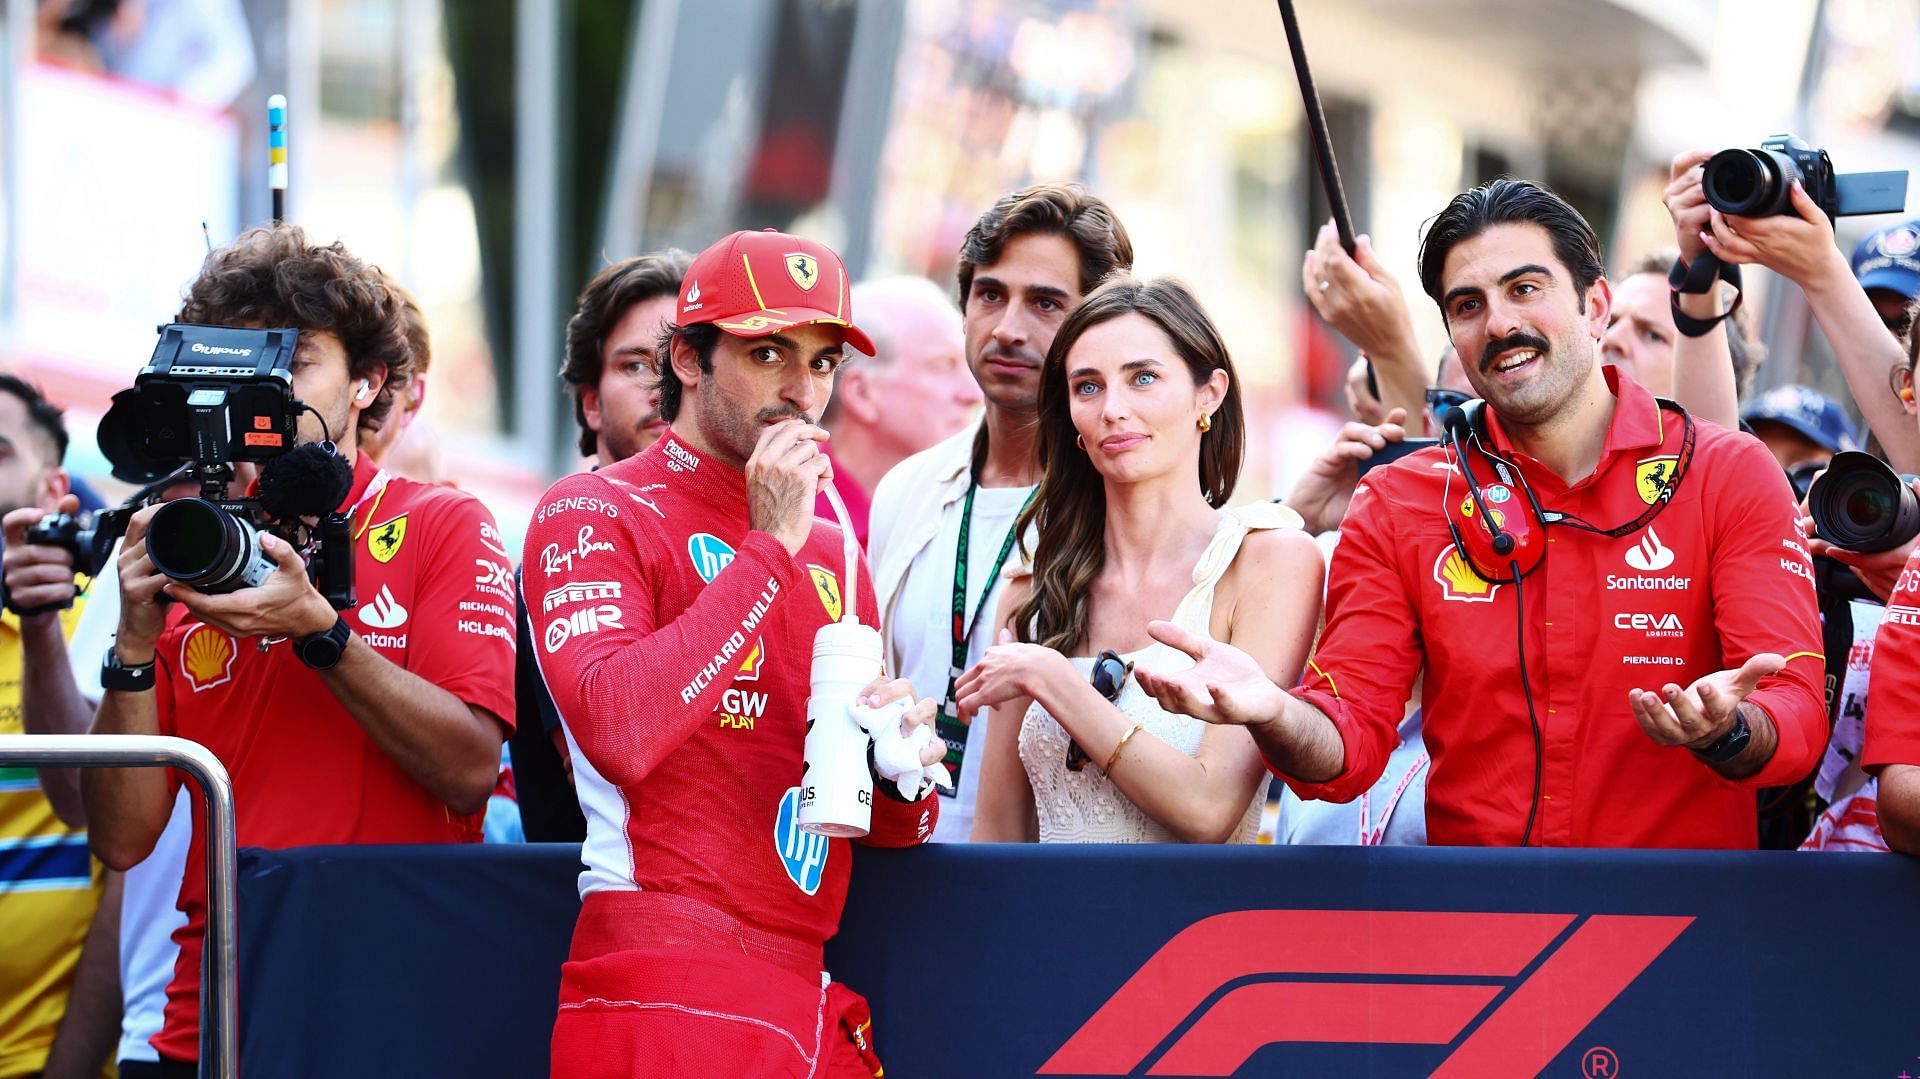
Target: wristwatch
124, 677
322, 650
1729, 745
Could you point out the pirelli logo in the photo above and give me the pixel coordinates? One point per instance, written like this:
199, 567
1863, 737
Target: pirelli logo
1508, 992
579, 592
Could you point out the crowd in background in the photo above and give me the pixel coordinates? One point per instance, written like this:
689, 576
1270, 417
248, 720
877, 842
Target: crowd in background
1039, 460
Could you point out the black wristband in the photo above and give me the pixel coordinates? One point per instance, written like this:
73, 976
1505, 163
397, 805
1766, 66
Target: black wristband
1699, 279
1730, 744
124, 677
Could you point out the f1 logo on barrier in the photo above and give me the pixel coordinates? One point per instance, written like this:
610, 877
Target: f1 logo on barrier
1571, 977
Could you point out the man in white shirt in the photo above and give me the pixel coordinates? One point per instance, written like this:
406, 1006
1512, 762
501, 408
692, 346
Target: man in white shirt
943, 519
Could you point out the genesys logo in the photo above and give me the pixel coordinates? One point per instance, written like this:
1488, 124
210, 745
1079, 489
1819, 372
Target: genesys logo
575, 504
1520, 988
1649, 555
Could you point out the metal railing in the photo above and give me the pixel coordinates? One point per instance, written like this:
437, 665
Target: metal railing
219, 1027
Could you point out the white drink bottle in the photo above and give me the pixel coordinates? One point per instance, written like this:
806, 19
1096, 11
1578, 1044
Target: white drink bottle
836, 790
836, 786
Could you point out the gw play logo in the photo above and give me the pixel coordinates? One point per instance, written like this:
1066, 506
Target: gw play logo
1392, 958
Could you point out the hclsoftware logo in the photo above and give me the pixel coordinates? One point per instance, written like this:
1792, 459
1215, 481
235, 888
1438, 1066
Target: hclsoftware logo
1523, 987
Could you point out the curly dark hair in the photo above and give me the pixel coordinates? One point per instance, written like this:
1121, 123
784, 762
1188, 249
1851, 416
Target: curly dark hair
702, 338
603, 303
1053, 209
275, 277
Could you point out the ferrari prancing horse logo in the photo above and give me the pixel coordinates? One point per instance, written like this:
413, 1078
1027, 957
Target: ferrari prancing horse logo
828, 588
804, 269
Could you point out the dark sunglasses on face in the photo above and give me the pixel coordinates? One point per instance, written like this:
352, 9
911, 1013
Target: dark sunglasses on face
1439, 397
1110, 674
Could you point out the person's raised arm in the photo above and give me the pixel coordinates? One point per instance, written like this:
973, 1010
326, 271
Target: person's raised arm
1704, 381
635, 687
50, 702
128, 807
1800, 247
1321, 494
1363, 303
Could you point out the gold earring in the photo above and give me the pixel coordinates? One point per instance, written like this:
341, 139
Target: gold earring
1206, 423
1080, 441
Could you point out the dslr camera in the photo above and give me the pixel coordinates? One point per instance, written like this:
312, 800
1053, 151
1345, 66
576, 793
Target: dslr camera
1755, 183
1861, 505
209, 397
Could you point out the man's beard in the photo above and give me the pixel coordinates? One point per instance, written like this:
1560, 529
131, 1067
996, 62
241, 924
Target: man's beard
729, 430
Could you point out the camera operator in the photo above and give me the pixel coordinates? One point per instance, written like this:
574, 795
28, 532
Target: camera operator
59, 1009
377, 724
1655, 672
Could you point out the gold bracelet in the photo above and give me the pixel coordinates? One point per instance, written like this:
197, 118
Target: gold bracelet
1120, 745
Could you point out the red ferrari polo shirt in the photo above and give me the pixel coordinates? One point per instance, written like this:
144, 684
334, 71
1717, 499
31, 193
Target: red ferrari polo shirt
434, 586
1719, 576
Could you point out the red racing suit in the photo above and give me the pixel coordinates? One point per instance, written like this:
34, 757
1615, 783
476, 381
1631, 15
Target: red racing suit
1719, 576
677, 643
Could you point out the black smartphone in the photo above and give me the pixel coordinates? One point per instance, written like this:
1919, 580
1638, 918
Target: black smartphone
1393, 451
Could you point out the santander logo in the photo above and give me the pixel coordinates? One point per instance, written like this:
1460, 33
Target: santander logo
1649, 555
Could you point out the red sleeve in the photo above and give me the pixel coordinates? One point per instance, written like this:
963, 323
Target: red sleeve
1761, 580
895, 823
469, 652
630, 685
1893, 691
1363, 669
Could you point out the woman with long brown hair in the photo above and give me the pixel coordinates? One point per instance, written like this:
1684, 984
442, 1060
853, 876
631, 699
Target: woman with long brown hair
1141, 438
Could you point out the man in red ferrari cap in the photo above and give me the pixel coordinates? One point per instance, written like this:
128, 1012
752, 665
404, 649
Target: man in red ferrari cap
675, 596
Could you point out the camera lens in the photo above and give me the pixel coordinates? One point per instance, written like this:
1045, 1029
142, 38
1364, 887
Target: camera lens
1861, 505
1748, 183
201, 545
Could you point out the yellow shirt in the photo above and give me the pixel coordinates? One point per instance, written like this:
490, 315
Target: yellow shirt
49, 886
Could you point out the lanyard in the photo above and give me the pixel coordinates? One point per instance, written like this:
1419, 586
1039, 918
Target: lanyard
376, 490
963, 627
1372, 836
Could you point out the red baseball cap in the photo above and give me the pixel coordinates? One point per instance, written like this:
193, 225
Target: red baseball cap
755, 284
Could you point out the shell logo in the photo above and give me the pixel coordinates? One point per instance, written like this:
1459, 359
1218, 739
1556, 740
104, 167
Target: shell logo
206, 655
1458, 581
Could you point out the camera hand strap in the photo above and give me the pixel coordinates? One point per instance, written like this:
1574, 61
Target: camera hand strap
1698, 279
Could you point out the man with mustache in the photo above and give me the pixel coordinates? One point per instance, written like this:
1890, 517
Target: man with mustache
942, 520
676, 596
1637, 682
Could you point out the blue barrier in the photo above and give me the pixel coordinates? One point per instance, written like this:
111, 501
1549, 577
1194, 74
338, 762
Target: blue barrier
429, 961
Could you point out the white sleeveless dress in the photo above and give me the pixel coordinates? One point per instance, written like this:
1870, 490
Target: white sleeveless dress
1083, 807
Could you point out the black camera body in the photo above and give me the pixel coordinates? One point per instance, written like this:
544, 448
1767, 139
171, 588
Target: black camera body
209, 397
1861, 505
1756, 183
